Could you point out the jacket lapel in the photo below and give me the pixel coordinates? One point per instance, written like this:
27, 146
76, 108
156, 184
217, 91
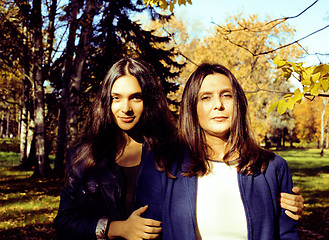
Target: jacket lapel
190, 186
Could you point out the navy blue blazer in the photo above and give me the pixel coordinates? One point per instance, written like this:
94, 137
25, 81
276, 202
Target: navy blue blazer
173, 200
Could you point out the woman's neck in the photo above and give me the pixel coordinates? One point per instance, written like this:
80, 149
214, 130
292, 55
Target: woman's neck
217, 148
131, 154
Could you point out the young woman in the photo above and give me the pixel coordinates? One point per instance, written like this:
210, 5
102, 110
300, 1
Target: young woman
224, 186
129, 117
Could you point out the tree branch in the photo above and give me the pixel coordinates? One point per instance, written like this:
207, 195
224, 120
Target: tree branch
276, 22
177, 47
10, 102
278, 91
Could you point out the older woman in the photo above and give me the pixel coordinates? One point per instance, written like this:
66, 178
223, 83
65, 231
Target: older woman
224, 186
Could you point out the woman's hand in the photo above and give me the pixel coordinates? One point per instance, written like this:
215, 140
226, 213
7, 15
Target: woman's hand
135, 227
293, 203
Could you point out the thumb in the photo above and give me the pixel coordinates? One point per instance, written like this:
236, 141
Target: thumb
296, 190
141, 210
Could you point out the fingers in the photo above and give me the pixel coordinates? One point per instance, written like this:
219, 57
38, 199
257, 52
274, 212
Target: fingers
150, 236
290, 207
293, 216
294, 204
152, 229
151, 222
293, 197
151, 232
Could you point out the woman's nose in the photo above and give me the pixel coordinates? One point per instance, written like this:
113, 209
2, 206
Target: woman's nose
126, 106
218, 103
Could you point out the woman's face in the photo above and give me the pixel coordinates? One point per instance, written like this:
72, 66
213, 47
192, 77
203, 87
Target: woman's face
215, 105
127, 102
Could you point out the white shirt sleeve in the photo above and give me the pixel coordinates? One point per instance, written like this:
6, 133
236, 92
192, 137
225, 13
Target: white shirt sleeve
101, 228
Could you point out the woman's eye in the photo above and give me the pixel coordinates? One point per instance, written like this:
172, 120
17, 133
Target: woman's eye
205, 98
227, 95
115, 98
137, 98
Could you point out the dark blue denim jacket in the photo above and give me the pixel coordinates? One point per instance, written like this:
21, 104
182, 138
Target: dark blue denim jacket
173, 201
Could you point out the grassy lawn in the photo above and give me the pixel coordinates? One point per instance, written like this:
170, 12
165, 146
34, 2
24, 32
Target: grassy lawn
311, 174
28, 206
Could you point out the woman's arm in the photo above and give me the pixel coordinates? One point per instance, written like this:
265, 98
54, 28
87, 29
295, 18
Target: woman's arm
69, 222
293, 203
287, 226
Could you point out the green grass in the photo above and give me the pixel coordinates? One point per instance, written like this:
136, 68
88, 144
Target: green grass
28, 206
310, 173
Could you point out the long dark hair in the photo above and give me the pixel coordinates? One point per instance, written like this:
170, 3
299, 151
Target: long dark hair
103, 139
253, 159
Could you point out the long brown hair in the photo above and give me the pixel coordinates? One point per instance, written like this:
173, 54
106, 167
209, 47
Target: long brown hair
103, 139
252, 160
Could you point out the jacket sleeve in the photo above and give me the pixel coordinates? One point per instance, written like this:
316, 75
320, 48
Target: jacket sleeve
149, 189
288, 226
71, 222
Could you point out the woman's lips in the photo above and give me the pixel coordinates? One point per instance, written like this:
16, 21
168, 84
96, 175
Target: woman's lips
127, 119
219, 118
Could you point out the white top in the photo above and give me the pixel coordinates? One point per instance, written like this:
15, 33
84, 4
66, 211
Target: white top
220, 212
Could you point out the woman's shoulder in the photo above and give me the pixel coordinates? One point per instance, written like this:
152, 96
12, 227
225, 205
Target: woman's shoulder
172, 165
277, 164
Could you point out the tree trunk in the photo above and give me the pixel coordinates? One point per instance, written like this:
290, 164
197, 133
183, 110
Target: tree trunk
323, 124
1, 123
68, 119
327, 138
75, 79
7, 122
62, 128
27, 112
43, 166
60, 142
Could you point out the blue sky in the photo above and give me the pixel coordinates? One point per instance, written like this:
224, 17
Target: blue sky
312, 20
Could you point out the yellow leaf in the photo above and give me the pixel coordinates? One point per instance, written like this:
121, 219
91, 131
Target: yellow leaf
276, 60
272, 107
288, 95
296, 67
279, 61
282, 107
291, 103
315, 90
306, 81
325, 85
316, 76
298, 95
324, 69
